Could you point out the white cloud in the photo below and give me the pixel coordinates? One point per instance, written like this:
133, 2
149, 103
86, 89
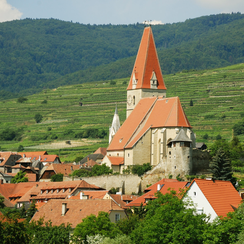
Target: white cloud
8, 12
223, 5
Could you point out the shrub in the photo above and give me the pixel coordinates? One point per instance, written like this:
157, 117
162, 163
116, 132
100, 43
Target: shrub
218, 137
8, 135
239, 128
112, 82
57, 177
20, 148
205, 136
141, 169
44, 101
22, 99
191, 103
38, 118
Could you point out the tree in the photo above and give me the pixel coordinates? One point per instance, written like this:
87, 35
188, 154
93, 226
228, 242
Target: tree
191, 103
1, 202
101, 170
20, 148
169, 221
42, 233
92, 225
22, 99
141, 169
20, 177
38, 118
220, 167
239, 128
31, 210
57, 177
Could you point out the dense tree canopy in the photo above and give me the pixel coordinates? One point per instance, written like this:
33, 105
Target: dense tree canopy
39, 53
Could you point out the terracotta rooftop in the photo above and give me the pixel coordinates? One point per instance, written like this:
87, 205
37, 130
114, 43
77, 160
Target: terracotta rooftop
54, 190
65, 169
31, 154
116, 160
15, 190
91, 194
4, 156
101, 150
76, 210
151, 112
220, 194
165, 187
146, 63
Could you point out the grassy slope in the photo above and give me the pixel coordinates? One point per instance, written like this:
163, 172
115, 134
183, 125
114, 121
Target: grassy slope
217, 96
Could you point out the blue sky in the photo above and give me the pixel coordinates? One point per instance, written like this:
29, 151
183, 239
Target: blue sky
116, 11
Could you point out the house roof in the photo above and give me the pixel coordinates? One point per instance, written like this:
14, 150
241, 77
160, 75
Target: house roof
89, 164
4, 156
54, 190
91, 194
165, 187
181, 137
93, 156
15, 190
116, 160
101, 150
65, 169
221, 195
76, 210
43, 158
149, 113
146, 63
31, 154
7, 203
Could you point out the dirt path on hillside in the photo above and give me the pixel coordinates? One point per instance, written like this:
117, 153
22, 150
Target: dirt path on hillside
95, 104
64, 144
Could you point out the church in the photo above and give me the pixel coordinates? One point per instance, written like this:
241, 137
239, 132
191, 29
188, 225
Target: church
156, 129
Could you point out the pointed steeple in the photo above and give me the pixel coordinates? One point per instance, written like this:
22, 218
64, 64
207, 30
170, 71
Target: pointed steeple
147, 73
115, 125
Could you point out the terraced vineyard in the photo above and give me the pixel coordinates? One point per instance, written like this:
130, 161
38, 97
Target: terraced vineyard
217, 97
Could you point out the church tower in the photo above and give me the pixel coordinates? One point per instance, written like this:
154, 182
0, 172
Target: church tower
115, 125
146, 78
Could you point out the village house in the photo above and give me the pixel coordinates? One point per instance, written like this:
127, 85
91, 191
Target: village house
214, 198
7, 160
72, 211
156, 129
119, 199
53, 169
163, 186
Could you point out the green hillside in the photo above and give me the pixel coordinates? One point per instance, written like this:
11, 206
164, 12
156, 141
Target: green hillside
217, 96
37, 54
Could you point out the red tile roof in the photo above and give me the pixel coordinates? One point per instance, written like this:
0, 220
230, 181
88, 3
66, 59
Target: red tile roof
101, 150
31, 154
65, 169
221, 195
91, 194
76, 210
146, 63
151, 112
116, 160
166, 187
54, 190
15, 190
4, 156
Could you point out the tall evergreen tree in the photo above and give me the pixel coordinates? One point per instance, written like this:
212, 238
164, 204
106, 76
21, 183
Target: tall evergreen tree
220, 167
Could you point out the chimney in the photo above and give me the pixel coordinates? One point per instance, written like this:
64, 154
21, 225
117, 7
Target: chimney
39, 158
81, 195
71, 168
64, 208
20, 165
23, 155
158, 187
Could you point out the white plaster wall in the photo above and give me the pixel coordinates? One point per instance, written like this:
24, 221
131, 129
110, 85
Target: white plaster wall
200, 201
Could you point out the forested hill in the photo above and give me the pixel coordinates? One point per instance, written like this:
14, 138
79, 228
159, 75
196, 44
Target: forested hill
44, 53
